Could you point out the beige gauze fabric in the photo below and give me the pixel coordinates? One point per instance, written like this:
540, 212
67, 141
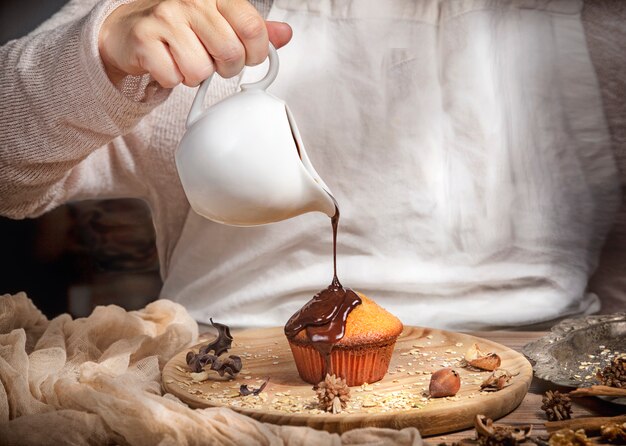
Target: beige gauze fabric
97, 380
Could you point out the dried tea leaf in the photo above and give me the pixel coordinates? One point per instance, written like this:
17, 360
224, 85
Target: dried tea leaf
197, 362
222, 343
244, 390
231, 365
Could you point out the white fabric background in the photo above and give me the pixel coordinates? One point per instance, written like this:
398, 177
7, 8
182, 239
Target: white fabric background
605, 28
466, 145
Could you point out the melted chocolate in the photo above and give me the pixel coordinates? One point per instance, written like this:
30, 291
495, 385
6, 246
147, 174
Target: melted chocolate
324, 316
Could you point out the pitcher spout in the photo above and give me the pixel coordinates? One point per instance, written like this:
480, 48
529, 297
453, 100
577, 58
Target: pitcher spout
323, 199
324, 202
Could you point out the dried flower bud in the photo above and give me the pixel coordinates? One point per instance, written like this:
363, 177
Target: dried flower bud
444, 382
497, 380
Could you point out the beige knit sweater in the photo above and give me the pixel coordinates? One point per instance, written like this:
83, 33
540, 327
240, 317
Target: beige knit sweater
68, 133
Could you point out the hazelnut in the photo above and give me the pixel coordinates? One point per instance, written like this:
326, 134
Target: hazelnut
444, 382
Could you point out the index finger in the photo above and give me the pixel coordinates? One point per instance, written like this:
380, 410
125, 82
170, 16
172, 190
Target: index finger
249, 27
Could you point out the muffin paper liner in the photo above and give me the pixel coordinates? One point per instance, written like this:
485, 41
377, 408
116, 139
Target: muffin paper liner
364, 364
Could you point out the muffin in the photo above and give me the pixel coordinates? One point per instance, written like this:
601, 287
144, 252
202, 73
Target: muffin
361, 356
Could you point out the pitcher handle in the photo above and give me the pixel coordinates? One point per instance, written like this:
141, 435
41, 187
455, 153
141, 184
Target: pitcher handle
196, 107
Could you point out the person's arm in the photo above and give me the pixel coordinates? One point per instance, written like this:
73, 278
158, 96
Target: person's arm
59, 101
57, 106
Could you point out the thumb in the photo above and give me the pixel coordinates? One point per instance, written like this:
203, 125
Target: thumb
279, 33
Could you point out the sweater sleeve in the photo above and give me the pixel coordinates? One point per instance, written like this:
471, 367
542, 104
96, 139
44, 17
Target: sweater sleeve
58, 108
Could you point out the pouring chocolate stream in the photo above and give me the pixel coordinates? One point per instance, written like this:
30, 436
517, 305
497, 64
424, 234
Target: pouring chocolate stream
324, 316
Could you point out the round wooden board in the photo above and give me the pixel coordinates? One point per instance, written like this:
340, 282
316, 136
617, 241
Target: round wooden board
290, 401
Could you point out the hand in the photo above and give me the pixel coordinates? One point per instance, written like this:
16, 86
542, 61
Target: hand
186, 40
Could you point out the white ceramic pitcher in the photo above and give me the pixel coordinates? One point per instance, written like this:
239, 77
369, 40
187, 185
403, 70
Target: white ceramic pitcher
242, 161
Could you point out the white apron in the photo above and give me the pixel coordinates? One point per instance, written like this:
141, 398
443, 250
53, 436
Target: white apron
466, 146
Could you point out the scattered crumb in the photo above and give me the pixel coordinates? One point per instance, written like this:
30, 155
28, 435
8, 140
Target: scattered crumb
201, 376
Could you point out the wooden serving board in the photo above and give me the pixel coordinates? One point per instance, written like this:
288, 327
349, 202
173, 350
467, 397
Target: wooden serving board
399, 400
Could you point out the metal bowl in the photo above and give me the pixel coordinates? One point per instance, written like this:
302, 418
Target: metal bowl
575, 349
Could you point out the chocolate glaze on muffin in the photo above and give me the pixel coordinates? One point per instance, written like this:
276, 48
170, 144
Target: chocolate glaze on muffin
361, 355
323, 319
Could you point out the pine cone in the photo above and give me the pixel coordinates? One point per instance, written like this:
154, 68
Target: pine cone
614, 433
333, 394
556, 406
614, 374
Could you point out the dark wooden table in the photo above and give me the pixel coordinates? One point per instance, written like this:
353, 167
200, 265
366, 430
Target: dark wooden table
529, 411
